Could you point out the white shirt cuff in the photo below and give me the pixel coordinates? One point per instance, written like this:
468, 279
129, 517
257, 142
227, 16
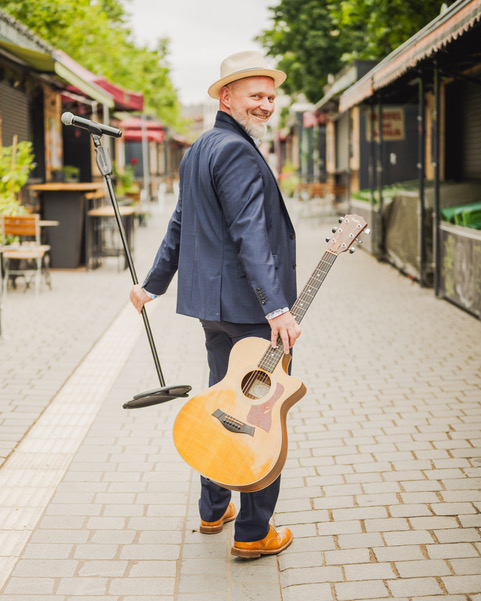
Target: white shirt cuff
150, 294
277, 312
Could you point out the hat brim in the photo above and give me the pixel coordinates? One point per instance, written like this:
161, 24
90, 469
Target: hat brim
278, 76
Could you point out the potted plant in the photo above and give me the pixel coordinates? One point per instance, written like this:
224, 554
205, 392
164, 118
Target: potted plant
71, 173
16, 163
126, 185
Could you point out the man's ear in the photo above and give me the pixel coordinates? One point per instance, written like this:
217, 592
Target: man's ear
224, 96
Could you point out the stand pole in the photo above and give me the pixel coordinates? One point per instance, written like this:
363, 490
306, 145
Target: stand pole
105, 166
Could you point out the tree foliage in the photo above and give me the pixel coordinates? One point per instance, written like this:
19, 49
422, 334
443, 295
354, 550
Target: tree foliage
314, 38
304, 45
96, 34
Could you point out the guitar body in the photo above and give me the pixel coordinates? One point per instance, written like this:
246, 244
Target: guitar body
235, 432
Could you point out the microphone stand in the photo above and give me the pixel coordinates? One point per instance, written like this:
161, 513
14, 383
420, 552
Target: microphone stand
165, 393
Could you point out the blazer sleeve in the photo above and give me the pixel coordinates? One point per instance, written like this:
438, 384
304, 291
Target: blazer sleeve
167, 259
241, 191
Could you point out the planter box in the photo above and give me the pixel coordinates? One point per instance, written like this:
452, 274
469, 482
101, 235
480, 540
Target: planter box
460, 273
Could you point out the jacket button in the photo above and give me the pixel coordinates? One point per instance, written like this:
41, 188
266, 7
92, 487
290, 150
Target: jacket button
294, 266
293, 236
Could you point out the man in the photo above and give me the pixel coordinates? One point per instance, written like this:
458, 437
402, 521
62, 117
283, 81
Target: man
232, 242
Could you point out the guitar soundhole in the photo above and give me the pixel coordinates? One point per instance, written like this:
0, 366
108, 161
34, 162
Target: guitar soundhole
256, 384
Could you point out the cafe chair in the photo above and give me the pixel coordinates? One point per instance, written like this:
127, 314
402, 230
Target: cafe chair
25, 256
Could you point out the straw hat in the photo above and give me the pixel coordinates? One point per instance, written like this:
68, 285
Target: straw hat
244, 64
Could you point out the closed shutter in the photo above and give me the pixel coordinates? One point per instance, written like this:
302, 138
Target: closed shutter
14, 110
472, 131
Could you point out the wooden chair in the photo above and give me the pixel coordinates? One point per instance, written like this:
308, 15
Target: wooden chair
29, 255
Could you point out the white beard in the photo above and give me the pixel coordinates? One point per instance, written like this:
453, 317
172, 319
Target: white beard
256, 130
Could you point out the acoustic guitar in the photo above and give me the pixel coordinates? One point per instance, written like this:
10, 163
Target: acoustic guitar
235, 432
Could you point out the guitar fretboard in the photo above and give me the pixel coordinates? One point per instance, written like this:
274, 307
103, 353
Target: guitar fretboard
272, 356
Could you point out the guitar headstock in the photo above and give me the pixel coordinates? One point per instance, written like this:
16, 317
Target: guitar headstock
350, 228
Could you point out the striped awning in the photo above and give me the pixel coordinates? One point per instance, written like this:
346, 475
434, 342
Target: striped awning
459, 18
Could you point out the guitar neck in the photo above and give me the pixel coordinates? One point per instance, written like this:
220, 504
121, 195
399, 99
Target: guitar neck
272, 356
304, 300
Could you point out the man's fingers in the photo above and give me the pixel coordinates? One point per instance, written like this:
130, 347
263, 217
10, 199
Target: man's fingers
274, 336
138, 297
287, 329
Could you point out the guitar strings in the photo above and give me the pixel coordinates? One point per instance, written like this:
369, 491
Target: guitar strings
272, 356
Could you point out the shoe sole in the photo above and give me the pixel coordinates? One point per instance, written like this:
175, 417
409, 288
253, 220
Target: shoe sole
256, 553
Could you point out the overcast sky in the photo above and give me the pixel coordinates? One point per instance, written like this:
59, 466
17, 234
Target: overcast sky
202, 33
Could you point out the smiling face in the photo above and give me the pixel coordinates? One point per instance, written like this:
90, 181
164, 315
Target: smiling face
250, 101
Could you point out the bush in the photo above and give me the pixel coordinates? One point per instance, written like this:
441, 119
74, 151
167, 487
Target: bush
16, 162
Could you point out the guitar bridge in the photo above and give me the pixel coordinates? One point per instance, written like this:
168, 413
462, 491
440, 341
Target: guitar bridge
233, 424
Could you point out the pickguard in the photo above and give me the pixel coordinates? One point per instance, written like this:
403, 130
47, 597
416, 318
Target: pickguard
261, 415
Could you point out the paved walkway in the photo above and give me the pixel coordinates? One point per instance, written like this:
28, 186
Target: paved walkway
382, 481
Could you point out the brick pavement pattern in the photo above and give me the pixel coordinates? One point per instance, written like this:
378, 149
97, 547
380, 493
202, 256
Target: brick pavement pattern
382, 481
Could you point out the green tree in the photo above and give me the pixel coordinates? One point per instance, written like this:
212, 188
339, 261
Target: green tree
376, 27
96, 34
311, 39
304, 43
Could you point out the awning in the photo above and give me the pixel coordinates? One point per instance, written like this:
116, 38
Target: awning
124, 99
120, 98
44, 62
132, 128
456, 20
136, 136
91, 89
40, 61
79, 79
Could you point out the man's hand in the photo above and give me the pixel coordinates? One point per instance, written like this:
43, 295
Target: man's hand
138, 297
287, 328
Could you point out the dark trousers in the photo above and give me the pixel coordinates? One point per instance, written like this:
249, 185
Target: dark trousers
252, 522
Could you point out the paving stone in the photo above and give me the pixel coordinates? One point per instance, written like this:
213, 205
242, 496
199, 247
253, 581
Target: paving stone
351, 591
466, 566
462, 584
302, 592
427, 567
414, 587
398, 553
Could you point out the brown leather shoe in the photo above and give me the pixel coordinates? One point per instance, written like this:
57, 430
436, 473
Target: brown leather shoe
218, 525
274, 542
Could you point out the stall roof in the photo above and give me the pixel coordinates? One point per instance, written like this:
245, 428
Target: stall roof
122, 99
40, 61
21, 44
343, 80
132, 128
46, 62
449, 25
65, 67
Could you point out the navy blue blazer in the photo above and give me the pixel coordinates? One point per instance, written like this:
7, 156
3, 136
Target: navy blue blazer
230, 236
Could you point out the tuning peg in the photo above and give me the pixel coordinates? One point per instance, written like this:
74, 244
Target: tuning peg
334, 230
359, 241
367, 231
341, 219
352, 250
327, 239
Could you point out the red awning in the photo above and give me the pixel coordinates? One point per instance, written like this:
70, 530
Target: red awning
132, 128
132, 135
456, 20
124, 99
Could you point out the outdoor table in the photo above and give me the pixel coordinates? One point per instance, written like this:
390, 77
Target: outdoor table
65, 203
103, 237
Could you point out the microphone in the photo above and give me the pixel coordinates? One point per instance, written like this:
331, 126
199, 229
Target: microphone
94, 128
